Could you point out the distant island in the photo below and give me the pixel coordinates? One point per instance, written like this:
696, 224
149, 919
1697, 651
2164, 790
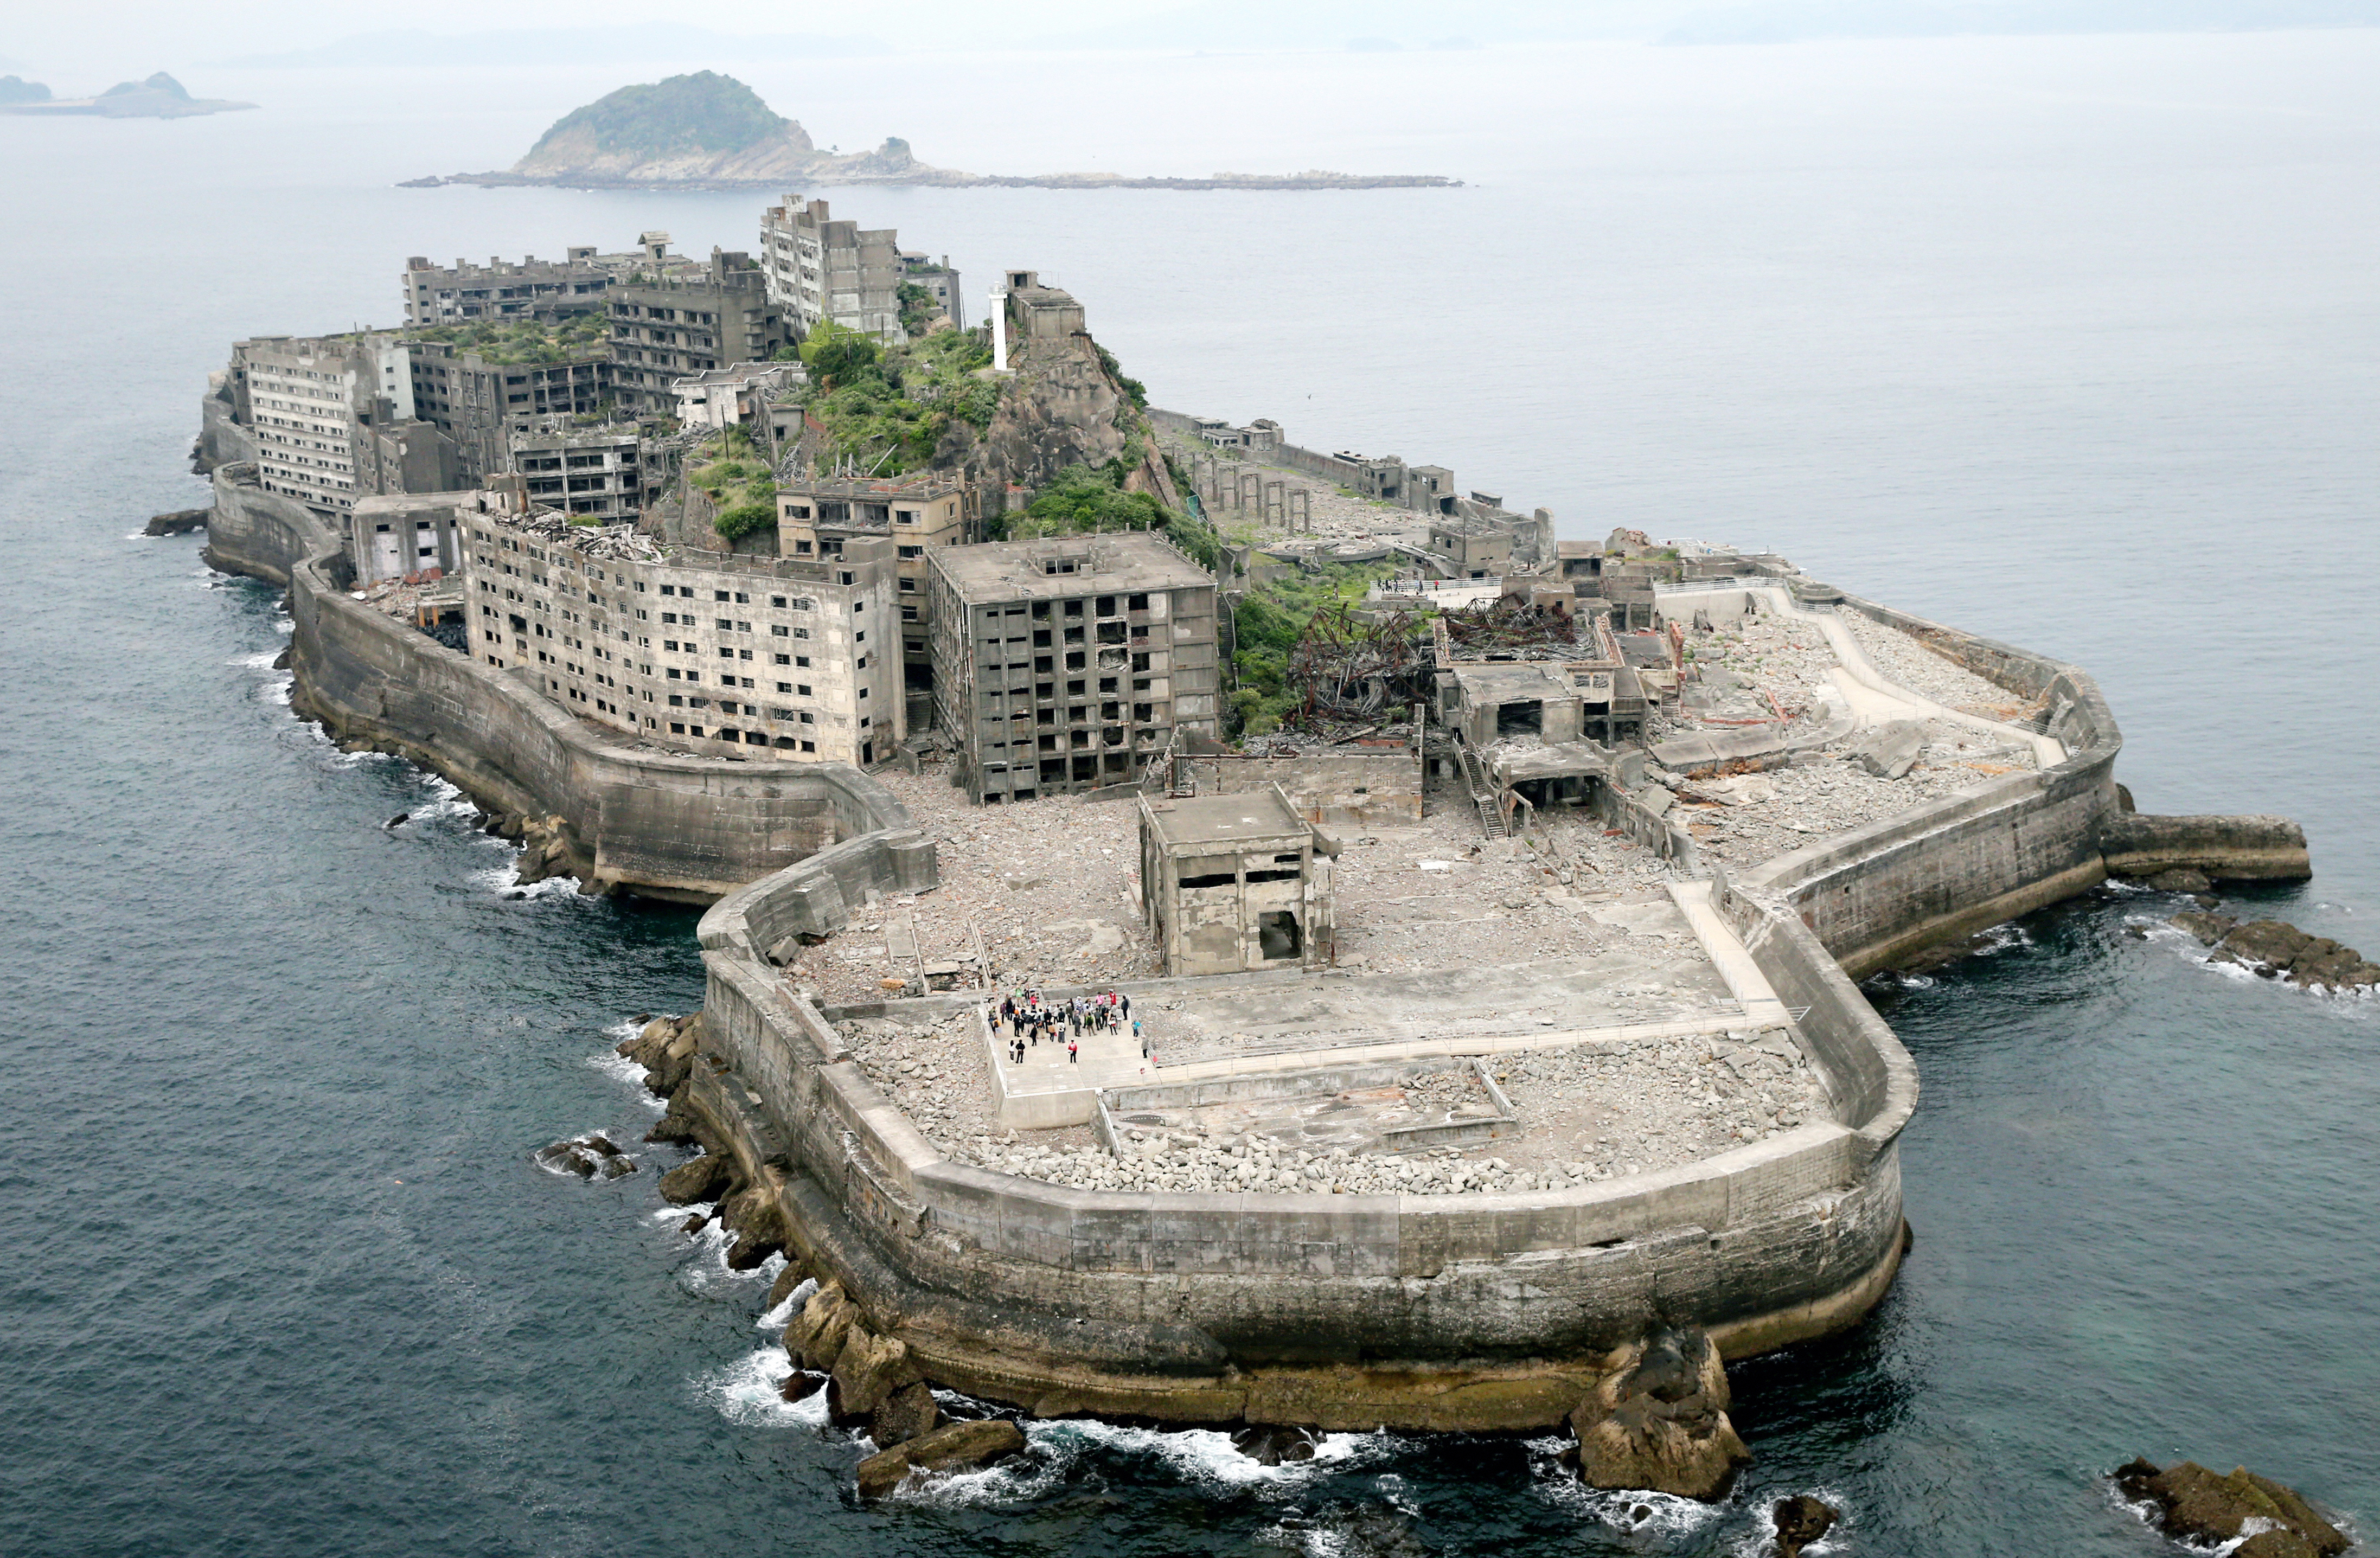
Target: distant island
709, 131
159, 97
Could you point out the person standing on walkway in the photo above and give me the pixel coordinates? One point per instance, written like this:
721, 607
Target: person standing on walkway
1071, 1054
1137, 1039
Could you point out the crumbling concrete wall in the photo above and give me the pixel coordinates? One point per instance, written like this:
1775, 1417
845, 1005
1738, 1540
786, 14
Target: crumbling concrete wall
690, 828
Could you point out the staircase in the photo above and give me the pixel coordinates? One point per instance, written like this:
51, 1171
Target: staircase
1483, 794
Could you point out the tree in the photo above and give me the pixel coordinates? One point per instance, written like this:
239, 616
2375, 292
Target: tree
834, 352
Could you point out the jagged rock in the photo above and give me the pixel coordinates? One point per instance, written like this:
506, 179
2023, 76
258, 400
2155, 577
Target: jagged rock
1888, 750
2198, 1505
676, 1125
971, 1443
908, 1413
2278, 951
1802, 1520
866, 1373
2182, 879
704, 1179
801, 1385
618, 1167
814, 1337
793, 1276
1657, 1419
569, 1157
760, 1235
1269, 1445
694, 1225
281, 660
399, 820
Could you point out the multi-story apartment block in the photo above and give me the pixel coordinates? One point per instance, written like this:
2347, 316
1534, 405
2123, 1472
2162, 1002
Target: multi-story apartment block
702, 652
669, 328
595, 471
940, 281
332, 420
482, 401
461, 293
821, 269
1067, 663
818, 516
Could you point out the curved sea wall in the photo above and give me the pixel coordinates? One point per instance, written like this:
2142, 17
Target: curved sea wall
1876, 894
1478, 1311
692, 828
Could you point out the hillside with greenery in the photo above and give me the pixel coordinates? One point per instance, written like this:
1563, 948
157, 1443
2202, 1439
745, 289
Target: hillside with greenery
738, 482
885, 408
683, 115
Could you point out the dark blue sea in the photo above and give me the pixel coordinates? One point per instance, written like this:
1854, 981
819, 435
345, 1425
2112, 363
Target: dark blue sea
2069, 340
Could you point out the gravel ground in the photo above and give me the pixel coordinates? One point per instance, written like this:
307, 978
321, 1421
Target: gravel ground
1909, 662
1338, 515
1784, 657
1047, 885
1683, 1099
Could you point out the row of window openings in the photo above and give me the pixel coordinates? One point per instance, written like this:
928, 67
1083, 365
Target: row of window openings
1103, 606
1110, 634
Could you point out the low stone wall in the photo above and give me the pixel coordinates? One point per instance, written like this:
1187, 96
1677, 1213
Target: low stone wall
689, 829
1473, 1312
1879, 893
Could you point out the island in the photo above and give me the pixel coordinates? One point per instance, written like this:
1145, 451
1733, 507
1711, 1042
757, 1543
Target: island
710, 131
159, 97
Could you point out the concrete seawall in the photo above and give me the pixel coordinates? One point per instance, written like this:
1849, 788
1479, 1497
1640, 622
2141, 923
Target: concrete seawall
1475, 1311
689, 829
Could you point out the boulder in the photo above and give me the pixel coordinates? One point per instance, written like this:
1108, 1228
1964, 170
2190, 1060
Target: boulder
1802, 1520
1888, 750
815, 1337
567, 1156
946, 1449
908, 1413
1269, 1445
2182, 879
2278, 951
1657, 1419
2197, 1505
667, 1070
793, 1276
617, 1167
801, 1385
866, 1373
703, 1179
2210, 929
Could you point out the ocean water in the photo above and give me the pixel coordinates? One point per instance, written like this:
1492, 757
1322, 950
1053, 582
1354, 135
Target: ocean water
2069, 340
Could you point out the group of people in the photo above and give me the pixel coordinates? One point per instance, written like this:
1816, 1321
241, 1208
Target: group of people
1029, 1019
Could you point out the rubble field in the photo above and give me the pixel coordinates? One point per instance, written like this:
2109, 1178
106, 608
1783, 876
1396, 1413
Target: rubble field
1905, 659
1753, 817
1585, 1115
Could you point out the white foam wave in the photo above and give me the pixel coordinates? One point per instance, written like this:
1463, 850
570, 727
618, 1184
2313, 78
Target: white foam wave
1640, 1514
1204, 1456
278, 689
745, 1393
778, 1318
261, 661
706, 1272
505, 878
628, 1074
2000, 938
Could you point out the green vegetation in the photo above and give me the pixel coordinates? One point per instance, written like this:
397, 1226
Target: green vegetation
522, 341
917, 306
740, 483
1265, 626
885, 408
704, 111
1134, 390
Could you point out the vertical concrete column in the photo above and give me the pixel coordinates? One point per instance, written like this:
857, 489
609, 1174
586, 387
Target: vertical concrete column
1275, 507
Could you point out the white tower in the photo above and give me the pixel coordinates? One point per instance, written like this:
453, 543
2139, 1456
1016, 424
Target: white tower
999, 331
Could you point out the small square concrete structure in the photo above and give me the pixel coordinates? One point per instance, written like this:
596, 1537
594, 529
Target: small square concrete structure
1233, 883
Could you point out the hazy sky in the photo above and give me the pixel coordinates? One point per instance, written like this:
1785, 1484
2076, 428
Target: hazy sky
129, 37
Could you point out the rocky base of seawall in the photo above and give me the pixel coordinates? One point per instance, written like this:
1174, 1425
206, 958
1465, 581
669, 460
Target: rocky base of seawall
1651, 1414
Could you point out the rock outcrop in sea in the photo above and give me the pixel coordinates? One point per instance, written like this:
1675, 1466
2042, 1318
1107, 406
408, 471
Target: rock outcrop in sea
1657, 1419
2206, 1508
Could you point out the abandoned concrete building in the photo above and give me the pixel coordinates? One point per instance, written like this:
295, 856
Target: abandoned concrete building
1067, 663
671, 327
481, 400
820, 270
735, 396
604, 471
405, 535
1234, 883
938, 282
699, 651
1259, 437
332, 418
1475, 548
817, 516
547, 289
1549, 674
